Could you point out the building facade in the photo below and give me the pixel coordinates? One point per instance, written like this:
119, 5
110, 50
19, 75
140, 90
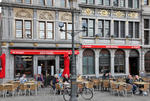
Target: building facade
117, 37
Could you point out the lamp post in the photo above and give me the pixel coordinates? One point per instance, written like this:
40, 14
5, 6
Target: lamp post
72, 3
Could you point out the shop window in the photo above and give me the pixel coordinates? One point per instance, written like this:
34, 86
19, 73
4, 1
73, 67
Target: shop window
147, 62
104, 61
23, 65
88, 62
119, 61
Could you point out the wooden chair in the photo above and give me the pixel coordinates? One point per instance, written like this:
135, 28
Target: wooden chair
10, 88
106, 85
121, 89
2, 90
114, 88
90, 85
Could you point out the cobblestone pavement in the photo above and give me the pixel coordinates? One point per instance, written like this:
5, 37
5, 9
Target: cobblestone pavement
98, 96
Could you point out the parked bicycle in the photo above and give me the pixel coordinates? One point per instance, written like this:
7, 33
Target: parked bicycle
86, 93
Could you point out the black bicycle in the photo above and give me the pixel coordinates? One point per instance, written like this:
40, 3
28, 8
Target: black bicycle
86, 93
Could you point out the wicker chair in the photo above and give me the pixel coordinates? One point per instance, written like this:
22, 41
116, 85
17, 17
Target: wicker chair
145, 89
90, 85
10, 88
2, 90
33, 88
106, 85
114, 88
128, 90
23, 89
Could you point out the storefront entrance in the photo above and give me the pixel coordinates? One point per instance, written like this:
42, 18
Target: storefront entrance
134, 63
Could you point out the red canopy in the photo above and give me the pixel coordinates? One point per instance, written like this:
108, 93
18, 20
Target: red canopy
2, 72
66, 65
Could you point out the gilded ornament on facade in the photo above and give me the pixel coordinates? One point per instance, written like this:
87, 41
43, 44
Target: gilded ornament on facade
133, 15
77, 45
35, 44
23, 14
11, 44
119, 14
46, 16
57, 45
104, 12
4, 43
66, 17
88, 11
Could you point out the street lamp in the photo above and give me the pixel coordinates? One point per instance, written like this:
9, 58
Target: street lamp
72, 4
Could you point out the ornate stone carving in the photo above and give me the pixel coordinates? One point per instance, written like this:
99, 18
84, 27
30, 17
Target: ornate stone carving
104, 12
46, 16
88, 11
119, 14
23, 13
133, 15
66, 17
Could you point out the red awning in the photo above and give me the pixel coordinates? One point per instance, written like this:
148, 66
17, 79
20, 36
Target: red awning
41, 52
111, 46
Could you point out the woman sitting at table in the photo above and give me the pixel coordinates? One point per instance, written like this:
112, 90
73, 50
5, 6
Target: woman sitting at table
138, 79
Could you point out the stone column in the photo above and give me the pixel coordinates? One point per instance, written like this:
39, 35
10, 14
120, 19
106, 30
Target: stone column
142, 58
97, 63
35, 25
79, 65
127, 52
57, 68
112, 56
35, 64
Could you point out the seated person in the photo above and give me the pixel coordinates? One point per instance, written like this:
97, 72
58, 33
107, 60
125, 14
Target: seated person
138, 79
129, 80
79, 78
40, 79
54, 81
23, 79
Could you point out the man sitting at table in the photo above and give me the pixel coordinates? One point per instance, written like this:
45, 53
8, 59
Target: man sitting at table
66, 78
129, 80
23, 79
138, 79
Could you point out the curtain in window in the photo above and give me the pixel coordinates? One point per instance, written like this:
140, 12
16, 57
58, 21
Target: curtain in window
28, 29
88, 62
42, 30
19, 28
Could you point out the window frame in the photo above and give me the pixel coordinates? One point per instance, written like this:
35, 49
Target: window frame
24, 29
46, 30
23, 1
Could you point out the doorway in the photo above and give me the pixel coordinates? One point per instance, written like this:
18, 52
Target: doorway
133, 66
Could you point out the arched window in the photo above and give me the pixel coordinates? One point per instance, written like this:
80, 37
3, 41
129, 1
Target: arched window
88, 62
119, 61
104, 61
147, 62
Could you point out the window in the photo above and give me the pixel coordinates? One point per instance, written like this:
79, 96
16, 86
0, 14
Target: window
130, 3
122, 3
88, 1
91, 27
136, 3
65, 35
146, 2
63, 3
116, 29
122, 29
104, 28
104, 61
46, 30
115, 2
88, 62
134, 29
100, 2
146, 37
42, 2
23, 65
24, 1
146, 23
131, 29
106, 2
147, 62
23, 29
119, 61
49, 2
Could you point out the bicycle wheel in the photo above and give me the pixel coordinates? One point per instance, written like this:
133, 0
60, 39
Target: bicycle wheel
66, 94
87, 94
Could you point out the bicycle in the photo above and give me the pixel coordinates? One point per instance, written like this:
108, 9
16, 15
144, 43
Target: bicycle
86, 93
